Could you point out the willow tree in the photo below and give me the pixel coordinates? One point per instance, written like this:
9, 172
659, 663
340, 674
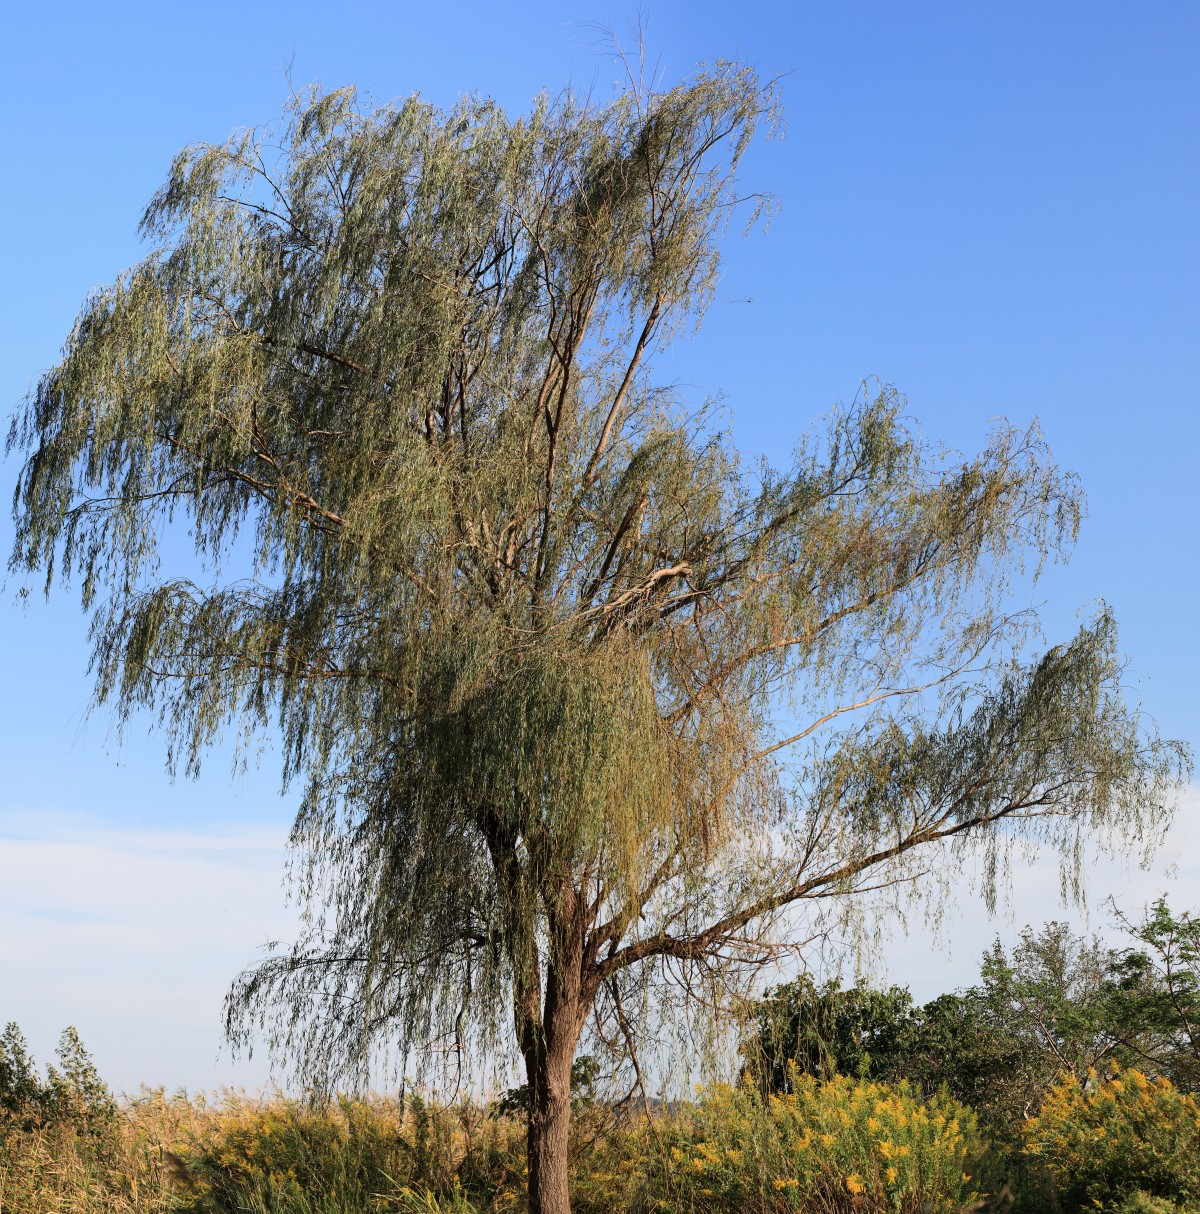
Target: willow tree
578, 702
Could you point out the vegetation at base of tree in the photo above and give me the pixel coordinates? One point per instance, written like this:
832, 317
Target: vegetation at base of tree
1015, 1095
839, 1145
729, 1151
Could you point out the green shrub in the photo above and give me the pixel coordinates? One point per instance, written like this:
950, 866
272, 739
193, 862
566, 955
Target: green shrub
1101, 1142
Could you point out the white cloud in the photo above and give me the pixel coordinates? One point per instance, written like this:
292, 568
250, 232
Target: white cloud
134, 936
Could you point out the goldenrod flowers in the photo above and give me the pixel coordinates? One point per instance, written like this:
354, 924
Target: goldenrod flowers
1117, 1132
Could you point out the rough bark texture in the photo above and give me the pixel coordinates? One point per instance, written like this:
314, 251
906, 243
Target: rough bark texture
548, 1045
549, 1127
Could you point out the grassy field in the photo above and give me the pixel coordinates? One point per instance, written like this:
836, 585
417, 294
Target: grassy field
1128, 1143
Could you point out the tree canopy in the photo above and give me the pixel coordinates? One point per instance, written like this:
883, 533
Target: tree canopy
1159, 985
579, 700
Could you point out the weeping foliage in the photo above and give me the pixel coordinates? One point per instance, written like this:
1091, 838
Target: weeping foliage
575, 699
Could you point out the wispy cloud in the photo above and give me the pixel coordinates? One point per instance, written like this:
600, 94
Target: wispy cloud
134, 936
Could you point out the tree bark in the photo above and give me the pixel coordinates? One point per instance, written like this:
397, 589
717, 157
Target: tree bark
548, 1046
550, 1123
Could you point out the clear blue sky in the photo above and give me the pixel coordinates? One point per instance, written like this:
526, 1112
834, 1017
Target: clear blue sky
992, 206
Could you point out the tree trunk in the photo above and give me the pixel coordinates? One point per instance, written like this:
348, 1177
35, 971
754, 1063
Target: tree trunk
550, 1122
548, 1046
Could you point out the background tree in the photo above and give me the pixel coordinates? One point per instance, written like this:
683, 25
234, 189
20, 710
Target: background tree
1159, 986
1054, 996
23, 1095
827, 1030
580, 704
1071, 1004
71, 1093
951, 1043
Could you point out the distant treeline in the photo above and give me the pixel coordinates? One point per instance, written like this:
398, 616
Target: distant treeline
1058, 1002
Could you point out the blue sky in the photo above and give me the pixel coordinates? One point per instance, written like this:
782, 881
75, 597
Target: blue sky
991, 206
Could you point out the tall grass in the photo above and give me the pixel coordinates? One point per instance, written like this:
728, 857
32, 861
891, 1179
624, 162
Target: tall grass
64, 1168
828, 1147
265, 1155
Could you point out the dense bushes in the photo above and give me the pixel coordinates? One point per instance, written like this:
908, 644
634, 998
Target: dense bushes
839, 1145
834, 1146
878, 1141
1116, 1135
1122, 1142
66, 1147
